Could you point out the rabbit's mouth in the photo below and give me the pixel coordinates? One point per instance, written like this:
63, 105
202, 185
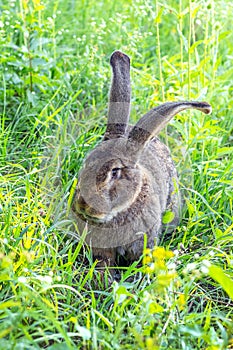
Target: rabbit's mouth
90, 214
87, 213
97, 218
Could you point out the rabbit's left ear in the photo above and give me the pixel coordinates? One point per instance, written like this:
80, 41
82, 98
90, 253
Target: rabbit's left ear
119, 98
155, 120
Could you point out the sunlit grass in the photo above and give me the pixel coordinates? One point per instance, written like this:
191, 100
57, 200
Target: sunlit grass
55, 78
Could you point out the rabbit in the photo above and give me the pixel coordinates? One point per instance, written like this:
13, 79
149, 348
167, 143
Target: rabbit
129, 180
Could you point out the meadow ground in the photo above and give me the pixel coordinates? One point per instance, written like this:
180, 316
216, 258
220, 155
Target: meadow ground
55, 77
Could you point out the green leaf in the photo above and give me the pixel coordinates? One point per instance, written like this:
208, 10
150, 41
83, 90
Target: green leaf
218, 233
155, 308
194, 12
219, 276
83, 332
193, 47
8, 304
194, 330
108, 323
5, 332
159, 16
168, 216
122, 293
62, 346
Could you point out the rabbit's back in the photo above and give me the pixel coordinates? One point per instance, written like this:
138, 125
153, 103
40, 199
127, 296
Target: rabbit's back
167, 174
156, 159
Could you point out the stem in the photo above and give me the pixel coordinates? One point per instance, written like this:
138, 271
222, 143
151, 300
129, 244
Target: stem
30, 63
195, 50
4, 99
159, 54
215, 48
23, 15
181, 45
194, 40
205, 49
189, 54
54, 31
39, 23
189, 123
160, 64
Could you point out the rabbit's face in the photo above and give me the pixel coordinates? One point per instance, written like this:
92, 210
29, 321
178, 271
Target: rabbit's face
109, 182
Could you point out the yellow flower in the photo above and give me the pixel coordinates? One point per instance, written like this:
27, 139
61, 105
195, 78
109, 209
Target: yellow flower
151, 344
37, 5
158, 252
181, 301
146, 260
161, 253
73, 319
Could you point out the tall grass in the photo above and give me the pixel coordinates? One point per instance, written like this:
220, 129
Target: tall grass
55, 77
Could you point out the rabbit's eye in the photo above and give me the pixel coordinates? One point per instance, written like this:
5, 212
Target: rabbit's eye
116, 173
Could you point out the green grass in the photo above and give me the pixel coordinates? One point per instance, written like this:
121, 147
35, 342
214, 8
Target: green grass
55, 77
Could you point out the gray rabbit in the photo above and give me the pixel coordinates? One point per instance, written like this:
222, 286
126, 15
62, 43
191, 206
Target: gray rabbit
129, 180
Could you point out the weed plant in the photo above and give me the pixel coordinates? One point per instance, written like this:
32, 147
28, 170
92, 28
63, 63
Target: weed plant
55, 78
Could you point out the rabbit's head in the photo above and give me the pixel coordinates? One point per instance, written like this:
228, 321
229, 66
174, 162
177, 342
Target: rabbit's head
109, 181
116, 195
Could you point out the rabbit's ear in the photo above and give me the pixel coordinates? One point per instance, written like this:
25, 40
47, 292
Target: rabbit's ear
156, 119
119, 98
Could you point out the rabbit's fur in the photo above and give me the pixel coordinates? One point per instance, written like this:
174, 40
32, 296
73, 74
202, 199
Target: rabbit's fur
129, 180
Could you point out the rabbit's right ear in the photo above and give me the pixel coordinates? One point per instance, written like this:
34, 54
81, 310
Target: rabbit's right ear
156, 119
119, 98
